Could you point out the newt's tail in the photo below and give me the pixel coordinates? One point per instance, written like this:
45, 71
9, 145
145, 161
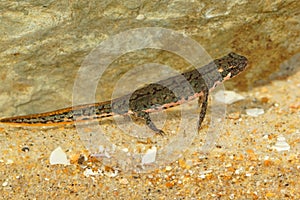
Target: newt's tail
63, 116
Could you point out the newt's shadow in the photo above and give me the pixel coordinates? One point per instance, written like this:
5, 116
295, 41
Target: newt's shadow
286, 69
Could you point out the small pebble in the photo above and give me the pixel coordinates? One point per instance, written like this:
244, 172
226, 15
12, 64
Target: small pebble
58, 156
5, 183
89, 172
25, 149
281, 144
150, 156
202, 176
81, 159
140, 17
124, 181
228, 97
264, 99
9, 161
254, 112
168, 168
235, 115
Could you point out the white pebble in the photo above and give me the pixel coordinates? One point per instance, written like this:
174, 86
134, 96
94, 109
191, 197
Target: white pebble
150, 156
5, 183
58, 156
9, 161
281, 144
254, 112
202, 176
89, 172
228, 97
140, 17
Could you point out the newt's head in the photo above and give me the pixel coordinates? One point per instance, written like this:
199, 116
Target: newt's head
231, 65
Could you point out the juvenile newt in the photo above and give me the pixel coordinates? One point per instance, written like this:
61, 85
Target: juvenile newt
150, 98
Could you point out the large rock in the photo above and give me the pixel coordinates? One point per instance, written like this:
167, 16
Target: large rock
43, 43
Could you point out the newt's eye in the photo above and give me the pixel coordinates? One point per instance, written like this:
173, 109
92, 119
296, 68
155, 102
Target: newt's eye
220, 70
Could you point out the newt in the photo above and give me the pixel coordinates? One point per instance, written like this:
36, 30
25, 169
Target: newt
150, 98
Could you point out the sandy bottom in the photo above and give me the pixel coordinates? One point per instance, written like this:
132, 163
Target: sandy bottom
242, 165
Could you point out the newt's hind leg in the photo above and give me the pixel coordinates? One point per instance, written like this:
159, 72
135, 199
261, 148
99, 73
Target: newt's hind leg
149, 123
203, 101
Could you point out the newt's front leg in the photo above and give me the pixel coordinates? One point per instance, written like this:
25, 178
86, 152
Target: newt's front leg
150, 124
203, 100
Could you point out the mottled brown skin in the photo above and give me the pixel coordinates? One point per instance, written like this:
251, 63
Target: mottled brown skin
151, 98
